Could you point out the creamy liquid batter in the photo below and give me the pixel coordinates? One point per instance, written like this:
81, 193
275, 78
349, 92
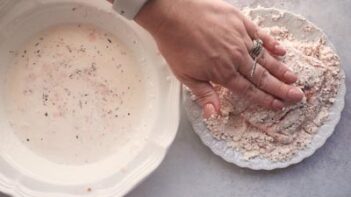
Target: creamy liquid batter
75, 94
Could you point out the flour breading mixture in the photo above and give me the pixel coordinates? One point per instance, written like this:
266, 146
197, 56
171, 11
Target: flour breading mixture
279, 135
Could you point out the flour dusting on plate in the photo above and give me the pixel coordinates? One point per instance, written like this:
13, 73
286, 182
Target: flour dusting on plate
277, 136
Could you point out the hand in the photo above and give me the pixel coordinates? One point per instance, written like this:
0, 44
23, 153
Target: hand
208, 41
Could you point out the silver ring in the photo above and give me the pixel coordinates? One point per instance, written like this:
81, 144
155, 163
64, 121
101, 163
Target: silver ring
256, 53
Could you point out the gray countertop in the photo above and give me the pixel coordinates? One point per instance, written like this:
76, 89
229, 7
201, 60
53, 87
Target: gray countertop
190, 168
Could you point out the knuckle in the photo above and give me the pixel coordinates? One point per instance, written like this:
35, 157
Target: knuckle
249, 90
277, 65
201, 93
245, 68
229, 79
252, 95
268, 101
281, 73
264, 35
215, 58
205, 93
231, 75
263, 99
264, 61
283, 89
204, 96
256, 32
262, 79
259, 32
271, 41
237, 52
283, 69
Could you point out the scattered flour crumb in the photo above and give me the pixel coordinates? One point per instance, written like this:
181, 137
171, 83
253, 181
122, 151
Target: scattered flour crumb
276, 17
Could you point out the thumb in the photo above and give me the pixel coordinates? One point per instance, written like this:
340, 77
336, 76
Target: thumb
206, 96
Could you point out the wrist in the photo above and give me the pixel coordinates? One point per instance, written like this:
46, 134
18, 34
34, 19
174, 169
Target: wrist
154, 14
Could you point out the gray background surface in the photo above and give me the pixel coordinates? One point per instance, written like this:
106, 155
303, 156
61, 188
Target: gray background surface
190, 169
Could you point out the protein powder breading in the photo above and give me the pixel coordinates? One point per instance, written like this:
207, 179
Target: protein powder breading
278, 135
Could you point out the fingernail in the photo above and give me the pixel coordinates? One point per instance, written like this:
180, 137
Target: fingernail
279, 49
290, 77
209, 110
277, 105
295, 94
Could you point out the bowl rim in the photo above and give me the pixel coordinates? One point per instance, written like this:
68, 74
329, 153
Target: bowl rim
152, 161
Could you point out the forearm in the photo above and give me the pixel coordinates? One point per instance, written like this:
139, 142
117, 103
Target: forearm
153, 13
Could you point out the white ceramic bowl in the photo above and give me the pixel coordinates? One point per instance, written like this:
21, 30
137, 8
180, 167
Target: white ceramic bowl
295, 26
24, 173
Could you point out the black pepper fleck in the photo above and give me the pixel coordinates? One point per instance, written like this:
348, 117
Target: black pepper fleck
69, 48
93, 66
45, 98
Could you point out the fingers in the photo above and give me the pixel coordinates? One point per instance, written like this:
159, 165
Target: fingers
277, 68
268, 83
269, 42
205, 96
241, 86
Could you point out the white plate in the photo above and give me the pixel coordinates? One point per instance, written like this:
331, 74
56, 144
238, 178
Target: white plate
24, 173
219, 147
